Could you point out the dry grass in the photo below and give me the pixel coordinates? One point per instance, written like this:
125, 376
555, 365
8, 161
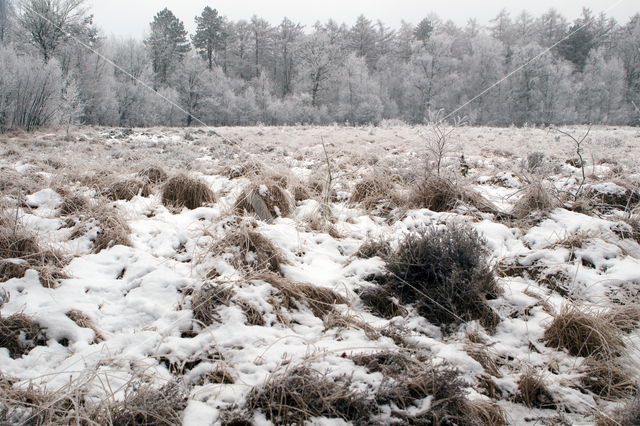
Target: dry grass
609, 379
207, 299
536, 198
23, 251
381, 301
114, 230
625, 318
127, 189
374, 190
153, 174
584, 334
629, 415
486, 413
83, 321
265, 201
146, 405
299, 393
251, 313
249, 250
442, 195
374, 247
183, 191
74, 204
19, 333
319, 300
484, 358
533, 392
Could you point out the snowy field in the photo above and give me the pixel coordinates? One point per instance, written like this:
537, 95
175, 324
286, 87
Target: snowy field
259, 303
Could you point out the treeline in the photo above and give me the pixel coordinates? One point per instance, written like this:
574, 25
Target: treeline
249, 72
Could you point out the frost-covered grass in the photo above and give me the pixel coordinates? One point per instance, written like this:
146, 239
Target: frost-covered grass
276, 277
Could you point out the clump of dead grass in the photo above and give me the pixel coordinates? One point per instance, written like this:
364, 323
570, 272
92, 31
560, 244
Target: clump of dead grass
608, 379
625, 318
584, 334
145, 404
533, 392
441, 195
299, 393
374, 247
74, 204
248, 250
445, 272
19, 333
536, 198
320, 300
629, 415
153, 174
381, 301
127, 189
82, 320
184, 191
375, 189
267, 201
22, 250
114, 230
206, 300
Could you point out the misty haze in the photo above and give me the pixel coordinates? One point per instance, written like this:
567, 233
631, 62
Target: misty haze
412, 214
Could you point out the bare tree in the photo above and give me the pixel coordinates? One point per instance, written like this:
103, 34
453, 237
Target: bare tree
578, 145
48, 23
437, 137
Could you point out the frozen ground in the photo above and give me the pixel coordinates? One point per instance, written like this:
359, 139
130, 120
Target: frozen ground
139, 297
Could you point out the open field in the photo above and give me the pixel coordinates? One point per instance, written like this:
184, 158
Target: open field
320, 274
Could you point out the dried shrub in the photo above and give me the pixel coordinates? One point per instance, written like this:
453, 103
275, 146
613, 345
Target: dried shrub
83, 321
153, 174
319, 300
381, 301
144, 404
113, 229
441, 195
584, 334
207, 299
532, 391
536, 198
127, 189
184, 191
19, 333
249, 250
74, 204
300, 393
266, 201
608, 379
445, 272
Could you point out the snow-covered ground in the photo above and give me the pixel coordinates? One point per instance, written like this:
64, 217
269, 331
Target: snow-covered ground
139, 297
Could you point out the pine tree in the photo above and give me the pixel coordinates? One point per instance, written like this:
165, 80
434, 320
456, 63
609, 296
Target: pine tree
423, 31
210, 35
167, 44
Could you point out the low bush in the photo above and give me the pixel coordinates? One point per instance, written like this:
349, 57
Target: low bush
445, 273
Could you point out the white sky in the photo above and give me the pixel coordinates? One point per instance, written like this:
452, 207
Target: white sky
130, 18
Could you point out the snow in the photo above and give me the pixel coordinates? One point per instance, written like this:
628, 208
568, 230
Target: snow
138, 297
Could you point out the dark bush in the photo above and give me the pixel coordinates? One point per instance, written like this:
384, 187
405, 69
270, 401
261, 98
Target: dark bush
446, 274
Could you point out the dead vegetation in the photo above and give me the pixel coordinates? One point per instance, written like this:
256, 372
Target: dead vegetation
127, 189
319, 300
536, 198
381, 301
82, 320
376, 190
629, 415
19, 333
184, 191
248, 250
74, 204
206, 300
533, 392
445, 273
442, 195
300, 393
154, 175
584, 334
21, 250
609, 379
114, 230
265, 201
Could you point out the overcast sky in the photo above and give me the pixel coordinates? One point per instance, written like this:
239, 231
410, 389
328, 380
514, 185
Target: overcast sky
130, 18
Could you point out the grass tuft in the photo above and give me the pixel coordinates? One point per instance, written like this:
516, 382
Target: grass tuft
19, 333
127, 189
183, 191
